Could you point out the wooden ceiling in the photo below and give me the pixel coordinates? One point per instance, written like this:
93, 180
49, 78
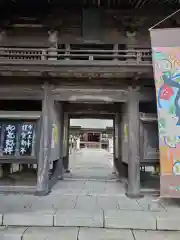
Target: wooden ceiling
44, 8
126, 4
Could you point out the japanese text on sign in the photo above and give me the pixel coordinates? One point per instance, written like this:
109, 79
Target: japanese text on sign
26, 139
9, 139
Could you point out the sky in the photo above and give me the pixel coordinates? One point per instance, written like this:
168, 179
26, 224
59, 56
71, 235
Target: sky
91, 123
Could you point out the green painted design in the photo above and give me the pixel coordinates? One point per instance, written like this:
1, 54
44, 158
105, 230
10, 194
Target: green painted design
162, 125
167, 73
178, 80
171, 141
158, 55
172, 109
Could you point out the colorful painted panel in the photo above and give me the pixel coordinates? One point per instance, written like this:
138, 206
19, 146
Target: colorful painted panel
166, 61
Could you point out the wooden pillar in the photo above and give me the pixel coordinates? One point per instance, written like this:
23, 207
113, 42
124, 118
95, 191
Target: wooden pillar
61, 132
67, 150
66, 143
133, 190
117, 145
42, 187
116, 140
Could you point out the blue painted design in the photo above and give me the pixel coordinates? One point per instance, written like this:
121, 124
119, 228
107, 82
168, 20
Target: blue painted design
159, 55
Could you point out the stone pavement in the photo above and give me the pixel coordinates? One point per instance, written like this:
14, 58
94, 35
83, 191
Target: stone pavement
91, 164
72, 233
76, 204
89, 204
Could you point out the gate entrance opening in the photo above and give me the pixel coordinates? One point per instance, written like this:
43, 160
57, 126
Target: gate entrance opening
85, 150
90, 152
88, 146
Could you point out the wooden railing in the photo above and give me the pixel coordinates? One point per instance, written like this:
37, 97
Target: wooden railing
138, 57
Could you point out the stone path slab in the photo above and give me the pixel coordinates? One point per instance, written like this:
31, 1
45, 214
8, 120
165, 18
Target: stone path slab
129, 204
107, 202
129, 220
104, 234
155, 235
13, 203
51, 233
87, 202
28, 219
12, 233
79, 218
150, 204
168, 221
69, 233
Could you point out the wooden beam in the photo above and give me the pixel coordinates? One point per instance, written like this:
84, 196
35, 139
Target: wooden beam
12, 91
34, 115
91, 115
79, 94
42, 187
17, 96
72, 63
74, 67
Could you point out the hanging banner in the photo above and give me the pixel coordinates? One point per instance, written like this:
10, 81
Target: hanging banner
166, 65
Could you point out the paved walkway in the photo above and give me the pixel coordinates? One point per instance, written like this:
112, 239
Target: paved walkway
88, 208
84, 234
91, 164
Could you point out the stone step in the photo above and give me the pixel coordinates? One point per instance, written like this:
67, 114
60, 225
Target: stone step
70, 233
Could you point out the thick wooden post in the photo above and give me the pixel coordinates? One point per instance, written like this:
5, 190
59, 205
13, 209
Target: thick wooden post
116, 144
118, 168
66, 143
42, 187
133, 190
68, 128
61, 130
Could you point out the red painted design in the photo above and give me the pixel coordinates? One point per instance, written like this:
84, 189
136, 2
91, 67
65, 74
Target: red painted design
166, 92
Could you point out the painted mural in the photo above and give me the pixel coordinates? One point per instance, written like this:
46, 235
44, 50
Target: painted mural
166, 61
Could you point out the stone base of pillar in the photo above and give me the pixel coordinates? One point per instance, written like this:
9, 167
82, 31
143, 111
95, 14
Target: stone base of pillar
119, 168
66, 164
1, 171
114, 171
42, 193
134, 196
6, 169
25, 167
60, 177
